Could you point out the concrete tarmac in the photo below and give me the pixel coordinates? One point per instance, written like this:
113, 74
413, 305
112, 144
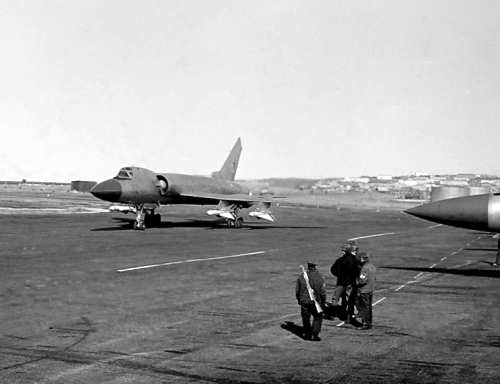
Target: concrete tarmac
87, 299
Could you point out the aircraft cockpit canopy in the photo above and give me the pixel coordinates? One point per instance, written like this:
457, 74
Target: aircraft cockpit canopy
125, 174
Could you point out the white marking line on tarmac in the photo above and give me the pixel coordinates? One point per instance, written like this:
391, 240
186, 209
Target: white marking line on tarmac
420, 274
189, 261
402, 286
434, 226
380, 234
78, 370
443, 259
460, 265
433, 265
374, 304
378, 301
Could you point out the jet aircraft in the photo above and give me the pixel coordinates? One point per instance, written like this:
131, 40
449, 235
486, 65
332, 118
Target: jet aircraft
141, 191
478, 212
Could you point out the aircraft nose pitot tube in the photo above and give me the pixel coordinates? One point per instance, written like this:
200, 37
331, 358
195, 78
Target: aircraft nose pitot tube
478, 212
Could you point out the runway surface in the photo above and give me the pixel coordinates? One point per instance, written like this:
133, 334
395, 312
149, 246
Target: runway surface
86, 299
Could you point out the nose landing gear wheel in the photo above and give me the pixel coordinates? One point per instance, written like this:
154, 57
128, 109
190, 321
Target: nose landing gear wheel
139, 226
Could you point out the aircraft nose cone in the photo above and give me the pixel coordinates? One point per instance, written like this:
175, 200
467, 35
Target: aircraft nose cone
109, 190
464, 212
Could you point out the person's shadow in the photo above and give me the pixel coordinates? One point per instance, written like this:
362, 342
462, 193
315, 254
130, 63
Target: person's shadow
297, 330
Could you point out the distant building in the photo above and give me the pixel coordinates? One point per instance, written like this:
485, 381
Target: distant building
465, 176
82, 186
457, 182
362, 180
384, 178
440, 178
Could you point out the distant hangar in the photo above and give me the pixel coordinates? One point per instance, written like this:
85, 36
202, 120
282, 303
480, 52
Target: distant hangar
82, 186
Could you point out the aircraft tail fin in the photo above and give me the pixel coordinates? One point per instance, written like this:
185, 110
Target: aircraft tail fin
228, 170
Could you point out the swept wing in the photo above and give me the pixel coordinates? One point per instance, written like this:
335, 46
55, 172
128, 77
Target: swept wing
229, 205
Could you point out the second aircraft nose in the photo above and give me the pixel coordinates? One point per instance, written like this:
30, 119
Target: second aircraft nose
464, 212
109, 190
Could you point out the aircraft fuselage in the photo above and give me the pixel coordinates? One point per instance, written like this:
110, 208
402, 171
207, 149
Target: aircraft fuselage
142, 186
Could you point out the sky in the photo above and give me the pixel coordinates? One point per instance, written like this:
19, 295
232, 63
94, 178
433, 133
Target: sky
314, 89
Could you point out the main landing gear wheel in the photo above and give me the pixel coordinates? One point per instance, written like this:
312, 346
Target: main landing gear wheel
238, 223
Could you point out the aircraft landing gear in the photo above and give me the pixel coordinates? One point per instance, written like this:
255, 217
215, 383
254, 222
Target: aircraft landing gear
229, 212
237, 223
139, 225
146, 217
140, 220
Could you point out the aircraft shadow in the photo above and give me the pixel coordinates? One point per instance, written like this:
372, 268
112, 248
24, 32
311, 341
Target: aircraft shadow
459, 272
481, 249
490, 234
128, 224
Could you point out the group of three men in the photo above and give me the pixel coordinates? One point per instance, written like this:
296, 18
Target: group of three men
355, 285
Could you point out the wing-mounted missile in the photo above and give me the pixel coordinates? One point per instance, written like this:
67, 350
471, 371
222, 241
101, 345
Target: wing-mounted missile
224, 209
130, 208
263, 211
124, 208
